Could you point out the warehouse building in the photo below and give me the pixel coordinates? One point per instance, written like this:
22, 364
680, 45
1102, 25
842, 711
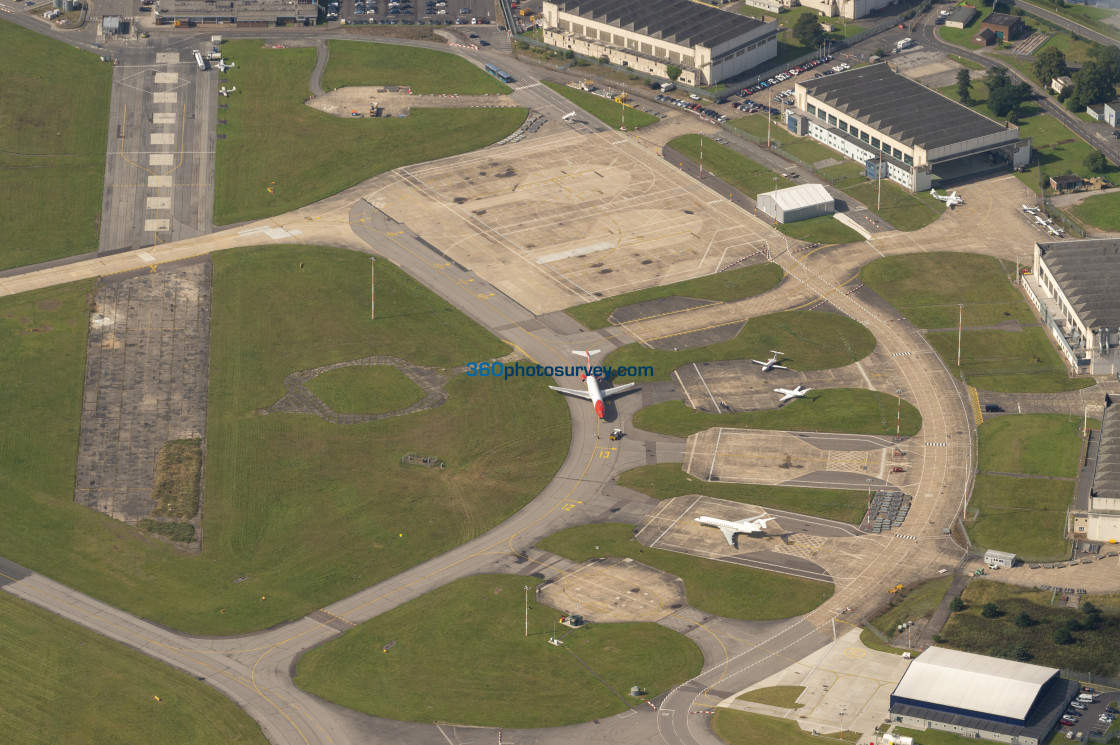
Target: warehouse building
241, 13
847, 8
1101, 521
707, 45
901, 130
960, 17
982, 697
796, 203
1005, 27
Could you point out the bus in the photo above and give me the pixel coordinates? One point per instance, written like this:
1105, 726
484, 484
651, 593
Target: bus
502, 76
198, 58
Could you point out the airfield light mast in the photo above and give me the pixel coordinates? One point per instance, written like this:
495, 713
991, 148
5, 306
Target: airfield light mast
526, 610
372, 277
960, 329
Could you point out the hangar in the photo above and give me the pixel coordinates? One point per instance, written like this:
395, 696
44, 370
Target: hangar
901, 130
705, 44
242, 13
983, 697
796, 203
1101, 519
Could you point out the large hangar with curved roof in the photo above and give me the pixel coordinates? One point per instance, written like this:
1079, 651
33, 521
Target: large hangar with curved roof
979, 696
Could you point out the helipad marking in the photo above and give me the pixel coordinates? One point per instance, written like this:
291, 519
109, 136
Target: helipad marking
167, 78
855, 652
165, 117
165, 97
159, 181
163, 138
161, 159
157, 226
159, 203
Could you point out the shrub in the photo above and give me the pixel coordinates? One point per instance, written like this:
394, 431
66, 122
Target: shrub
956, 605
990, 610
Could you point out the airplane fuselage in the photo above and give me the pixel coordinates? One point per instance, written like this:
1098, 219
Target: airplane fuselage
596, 395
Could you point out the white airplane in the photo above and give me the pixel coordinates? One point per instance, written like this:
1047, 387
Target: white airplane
797, 392
1030, 210
592, 393
226, 91
730, 529
771, 363
950, 199
223, 65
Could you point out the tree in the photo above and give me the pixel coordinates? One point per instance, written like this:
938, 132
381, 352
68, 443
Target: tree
1088, 608
673, 72
1023, 620
1051, 63
807, 31
1109, 58
990, 610
1097, 163
1066, 91
1021, 652
1062, 636
880, 52
997, 77
1093, 83
956, 605
964, 85
1002, 100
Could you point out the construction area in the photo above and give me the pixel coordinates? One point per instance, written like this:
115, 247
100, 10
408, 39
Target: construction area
393, 101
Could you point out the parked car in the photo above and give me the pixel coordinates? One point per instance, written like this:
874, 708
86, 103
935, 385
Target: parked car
1077, 705
1066, 722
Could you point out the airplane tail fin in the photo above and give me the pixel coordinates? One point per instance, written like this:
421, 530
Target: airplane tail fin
586, 352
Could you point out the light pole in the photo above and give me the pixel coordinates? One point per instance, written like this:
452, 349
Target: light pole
526, 610
898, 422
960, 332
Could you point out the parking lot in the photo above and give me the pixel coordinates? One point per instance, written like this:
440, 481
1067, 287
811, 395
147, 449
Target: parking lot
419, 12
1091, 717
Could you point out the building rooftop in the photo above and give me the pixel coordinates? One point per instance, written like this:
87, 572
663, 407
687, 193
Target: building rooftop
1106, 479
242, 10
675, 21
946, 678
1001, 19
803, 195
1088, 272
962, 14
900, 108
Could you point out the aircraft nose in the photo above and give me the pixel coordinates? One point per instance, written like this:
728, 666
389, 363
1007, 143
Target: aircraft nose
599, 409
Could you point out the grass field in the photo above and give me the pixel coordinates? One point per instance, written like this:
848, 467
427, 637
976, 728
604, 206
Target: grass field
900, 208
1095, 651
853, 410
802, 148
1010, 362
736, 170
823, 229
1102, 212
1093, 17
736, 284
843, 175
366, 389
784, 696
605, 110
711, 586
65, 684
744, 728
305, 510
929, 288
54, 112
911, 604
813, 340
1026, 517
507, 679
421, 70
1035, 444
668, 480
966, 62
962, 37
266, 165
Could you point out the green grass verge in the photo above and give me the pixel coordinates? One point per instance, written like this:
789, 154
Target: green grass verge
508, 679
366, 389
1101, 212
783, 696
803, 148
713, 587
966, 62
1035, 444
605, 110
869, 639
1009, 362
63, 683
1094, 651
899, 207
1026, 517
744, 728
266, 165
54, 114
843, 175
307, 511
421, 70
853, 410
929, 288
911, 604
823, 229
729, 166
813, 340
1093, 17
736, 284
668, 480
934, 736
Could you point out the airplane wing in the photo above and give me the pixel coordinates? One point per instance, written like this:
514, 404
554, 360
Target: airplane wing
759, 362
787, 397
616, 389
729, 534
572, 392
780, 367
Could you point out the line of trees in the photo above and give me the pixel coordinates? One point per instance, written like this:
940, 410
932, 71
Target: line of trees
1094, 83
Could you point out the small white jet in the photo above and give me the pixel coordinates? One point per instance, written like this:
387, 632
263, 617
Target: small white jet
223, 65
951, 200
788, 394
592, 393
1030, 210
226, 91
730, 529
771, 363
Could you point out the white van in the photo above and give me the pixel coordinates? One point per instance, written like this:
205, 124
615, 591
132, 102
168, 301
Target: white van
1086, 698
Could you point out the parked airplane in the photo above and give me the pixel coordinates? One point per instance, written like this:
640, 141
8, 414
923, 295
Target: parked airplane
771, 363
730, 529
950, 199
226, 91
223, 65
797, 392
1029, 209
592, 393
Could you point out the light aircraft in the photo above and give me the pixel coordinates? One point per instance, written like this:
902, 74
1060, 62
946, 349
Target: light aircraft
797, 392
1029, 209
592, 393
771, 363
950, 199
730, 529
223, 65
569, 116
226, 91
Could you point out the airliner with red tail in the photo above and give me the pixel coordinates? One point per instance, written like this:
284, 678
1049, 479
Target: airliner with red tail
592, 393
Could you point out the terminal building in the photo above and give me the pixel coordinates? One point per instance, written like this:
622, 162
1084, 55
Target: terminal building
981, 697
241, 13
901, 130
707, 45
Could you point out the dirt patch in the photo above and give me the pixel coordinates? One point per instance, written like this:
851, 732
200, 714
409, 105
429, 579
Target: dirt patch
397, 32
615, 590
178, 474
